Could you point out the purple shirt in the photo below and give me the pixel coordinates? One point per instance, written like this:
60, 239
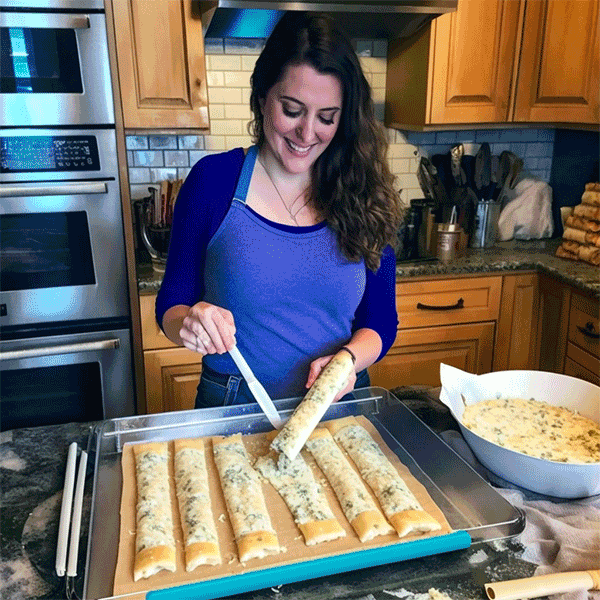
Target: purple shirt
248, 253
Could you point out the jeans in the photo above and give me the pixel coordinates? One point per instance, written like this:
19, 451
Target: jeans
217, 389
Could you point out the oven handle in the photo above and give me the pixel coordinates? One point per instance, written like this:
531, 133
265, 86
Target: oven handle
44, 20
63, 189
61, 349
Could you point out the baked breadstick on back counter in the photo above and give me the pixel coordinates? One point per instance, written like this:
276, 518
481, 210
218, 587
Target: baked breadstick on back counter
154, 540
193, 496
397, 501
358, 505
254, 534
308, 413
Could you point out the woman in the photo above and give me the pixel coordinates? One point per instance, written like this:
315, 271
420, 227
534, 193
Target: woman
283, 249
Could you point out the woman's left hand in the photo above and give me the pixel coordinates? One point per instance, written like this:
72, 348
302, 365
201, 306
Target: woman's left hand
317, 365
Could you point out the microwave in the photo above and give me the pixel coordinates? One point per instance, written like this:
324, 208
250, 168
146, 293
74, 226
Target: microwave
54, 64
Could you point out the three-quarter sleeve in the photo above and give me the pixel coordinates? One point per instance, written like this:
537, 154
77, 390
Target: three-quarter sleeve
377, 309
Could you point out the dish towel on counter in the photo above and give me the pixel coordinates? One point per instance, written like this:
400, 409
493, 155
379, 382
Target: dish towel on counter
559, 536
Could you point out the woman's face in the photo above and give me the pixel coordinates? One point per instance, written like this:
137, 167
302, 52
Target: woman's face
301, 115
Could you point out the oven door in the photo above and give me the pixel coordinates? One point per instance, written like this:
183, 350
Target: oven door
66, 378
62, 255
54, 69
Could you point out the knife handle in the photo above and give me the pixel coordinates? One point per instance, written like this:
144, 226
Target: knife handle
543, 585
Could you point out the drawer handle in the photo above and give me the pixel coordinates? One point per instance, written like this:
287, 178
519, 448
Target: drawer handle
459, 304
588, 330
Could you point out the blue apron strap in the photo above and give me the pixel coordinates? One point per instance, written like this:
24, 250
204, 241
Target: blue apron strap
244, 180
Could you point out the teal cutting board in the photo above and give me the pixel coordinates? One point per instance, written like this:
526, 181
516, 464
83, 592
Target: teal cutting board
311, 569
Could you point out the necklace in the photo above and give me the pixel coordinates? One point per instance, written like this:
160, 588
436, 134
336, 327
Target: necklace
288, 209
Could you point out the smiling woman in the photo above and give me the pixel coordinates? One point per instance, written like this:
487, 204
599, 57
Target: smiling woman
284, 248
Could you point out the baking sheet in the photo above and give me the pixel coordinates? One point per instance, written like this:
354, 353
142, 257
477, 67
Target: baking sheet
468, 502
287, 531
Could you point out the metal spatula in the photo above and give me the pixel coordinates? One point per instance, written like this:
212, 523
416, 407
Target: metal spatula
258, 391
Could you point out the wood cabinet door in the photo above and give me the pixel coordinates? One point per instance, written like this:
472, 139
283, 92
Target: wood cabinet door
162, 73
417, 353
172, 377
516, 335
473, 56
553, 323
558, 78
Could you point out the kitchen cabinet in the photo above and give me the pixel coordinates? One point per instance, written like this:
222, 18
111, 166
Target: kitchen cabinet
553, 323
498, 62
516, 335
160, 56
582, 356
441, 320
172, 372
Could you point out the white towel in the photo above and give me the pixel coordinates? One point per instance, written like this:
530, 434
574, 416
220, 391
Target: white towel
559, 535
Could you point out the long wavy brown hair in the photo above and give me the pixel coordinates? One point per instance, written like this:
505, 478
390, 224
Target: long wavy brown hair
351, 183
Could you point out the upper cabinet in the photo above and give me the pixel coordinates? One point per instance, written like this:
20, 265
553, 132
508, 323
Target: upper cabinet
498, 61
160, 56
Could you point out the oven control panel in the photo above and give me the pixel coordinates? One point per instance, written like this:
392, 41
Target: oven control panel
23, 154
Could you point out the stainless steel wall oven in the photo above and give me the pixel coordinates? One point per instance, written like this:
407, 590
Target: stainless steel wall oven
54, 65
65, 347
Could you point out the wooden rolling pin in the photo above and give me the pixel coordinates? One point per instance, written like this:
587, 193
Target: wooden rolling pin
543, 585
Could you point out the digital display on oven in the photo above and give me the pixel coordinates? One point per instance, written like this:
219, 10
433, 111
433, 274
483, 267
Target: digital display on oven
24, 154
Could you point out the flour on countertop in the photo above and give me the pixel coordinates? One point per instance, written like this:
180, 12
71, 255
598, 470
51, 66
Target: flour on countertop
432, 594
478, 557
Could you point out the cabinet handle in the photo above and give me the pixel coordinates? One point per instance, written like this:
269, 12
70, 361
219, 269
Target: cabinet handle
588, 330
459, 304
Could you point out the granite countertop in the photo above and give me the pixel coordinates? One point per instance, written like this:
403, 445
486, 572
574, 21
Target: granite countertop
32, 467
505, 257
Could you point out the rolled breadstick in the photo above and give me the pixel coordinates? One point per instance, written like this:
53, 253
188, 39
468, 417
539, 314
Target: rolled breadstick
582, 223
563, 253
587, 211
308, 413
543, 585
591, 197
154, 539
574, 234
254, 533
592, 187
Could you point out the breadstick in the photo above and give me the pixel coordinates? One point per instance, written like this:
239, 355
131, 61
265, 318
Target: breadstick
399, 504
295, 483
591, 197
254, 534
358, 506
308, 413
154, 541
582, 223
564, 253
575, 235
197, 522
587, 211
592, 187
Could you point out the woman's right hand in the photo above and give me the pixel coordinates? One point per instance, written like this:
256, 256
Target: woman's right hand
208, 329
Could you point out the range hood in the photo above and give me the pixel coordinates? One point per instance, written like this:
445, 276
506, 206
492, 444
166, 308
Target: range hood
372, 19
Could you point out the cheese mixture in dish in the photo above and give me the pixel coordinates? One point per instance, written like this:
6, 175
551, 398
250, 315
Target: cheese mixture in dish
295, 483
245, 501
397, 501
357, 504
536, 429
290, 440
154, 540
197, 523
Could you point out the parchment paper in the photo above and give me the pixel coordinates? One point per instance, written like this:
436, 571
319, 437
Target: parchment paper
288, 533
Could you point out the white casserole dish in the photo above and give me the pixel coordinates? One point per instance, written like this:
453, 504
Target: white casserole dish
561, 480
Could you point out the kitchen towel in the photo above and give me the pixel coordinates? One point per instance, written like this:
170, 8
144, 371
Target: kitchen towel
560, 535
528, 214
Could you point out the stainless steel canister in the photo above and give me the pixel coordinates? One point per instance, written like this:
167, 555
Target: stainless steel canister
485, 230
